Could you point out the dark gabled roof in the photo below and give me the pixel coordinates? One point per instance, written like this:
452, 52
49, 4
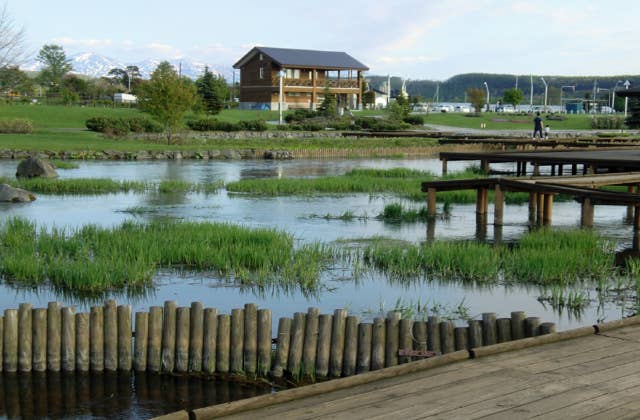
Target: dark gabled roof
332, 60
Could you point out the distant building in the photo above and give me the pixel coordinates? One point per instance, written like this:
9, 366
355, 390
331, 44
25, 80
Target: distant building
125, 98
305, 75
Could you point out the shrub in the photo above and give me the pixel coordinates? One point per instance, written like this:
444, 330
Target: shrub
379, 124
121, 126
414, 119
211, 124
607, 122
16, 126
299, 115
253, 125
144, 125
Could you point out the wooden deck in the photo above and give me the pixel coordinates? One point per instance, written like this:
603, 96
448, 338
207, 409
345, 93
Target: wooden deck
595, 376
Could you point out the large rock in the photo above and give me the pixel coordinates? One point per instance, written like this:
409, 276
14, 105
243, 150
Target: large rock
36, 167
15, 195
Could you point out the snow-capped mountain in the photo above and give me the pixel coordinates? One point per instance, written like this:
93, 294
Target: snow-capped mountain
96, 65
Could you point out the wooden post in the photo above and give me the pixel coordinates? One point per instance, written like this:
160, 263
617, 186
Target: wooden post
536, 169
54, 326
25, 336
250, 357
282, 349
336, 357
630, 189
531, 326
350, 346
503, 330
96, 342
237, 341
475, 333
489, 328
433, 334
209, 341
393, 339
586, 213
223, 343
533, 204
364, 347
124, 338
68, 349
547, 328
183, 317
420, 335
196, 336
431, 202
264, 341
444, 166
310, 345
378, 339
295, 346
110, 335
82, 342
169, 336
406, 338
10, 341
636, 218
461, 335
498, 205
154, 349
517, 325
540, 209
574, 169
39, 316
140, 343
524, 168
325, 325
548, 209
446, 337
484, 164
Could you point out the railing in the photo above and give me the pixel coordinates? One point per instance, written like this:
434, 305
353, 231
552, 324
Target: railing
320, 83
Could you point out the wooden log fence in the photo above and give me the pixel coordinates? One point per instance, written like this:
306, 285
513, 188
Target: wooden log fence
194, 339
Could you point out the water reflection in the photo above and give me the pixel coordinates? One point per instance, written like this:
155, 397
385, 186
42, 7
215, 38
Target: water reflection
114, 394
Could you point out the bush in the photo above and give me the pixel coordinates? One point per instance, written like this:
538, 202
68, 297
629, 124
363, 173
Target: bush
414, 119
299, 115
379, 124
607, 122
211, 124
121, 126
143, 125
16, 126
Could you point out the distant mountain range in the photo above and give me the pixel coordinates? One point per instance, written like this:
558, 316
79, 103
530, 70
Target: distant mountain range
96, 65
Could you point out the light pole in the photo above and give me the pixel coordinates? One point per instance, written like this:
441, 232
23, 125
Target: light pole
613, 96
546, 89
280, 75
561, 88
626, 98
487, 87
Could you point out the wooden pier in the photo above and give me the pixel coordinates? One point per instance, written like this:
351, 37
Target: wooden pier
590, 372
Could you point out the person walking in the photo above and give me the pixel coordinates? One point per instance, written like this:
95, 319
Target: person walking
537, 126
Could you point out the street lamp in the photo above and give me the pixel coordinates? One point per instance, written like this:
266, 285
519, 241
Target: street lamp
487, 87
280, 76
561, 88
626, 98
613, 96
546, 90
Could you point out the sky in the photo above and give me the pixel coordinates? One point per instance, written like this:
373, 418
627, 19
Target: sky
422, 39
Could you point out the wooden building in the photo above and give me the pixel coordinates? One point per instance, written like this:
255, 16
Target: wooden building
303, 76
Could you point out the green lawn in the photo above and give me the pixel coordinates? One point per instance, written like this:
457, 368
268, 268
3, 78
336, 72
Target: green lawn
495, 121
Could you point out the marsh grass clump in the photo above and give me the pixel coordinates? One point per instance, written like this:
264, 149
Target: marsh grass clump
94, 259
541, 257
397, 212
64, 164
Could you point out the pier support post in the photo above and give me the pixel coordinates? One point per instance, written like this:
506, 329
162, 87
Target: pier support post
540, 209
536, 169
533, 203
431, 203
548, 209
444, 166
498, 205
586, 213
636, 218
484, 164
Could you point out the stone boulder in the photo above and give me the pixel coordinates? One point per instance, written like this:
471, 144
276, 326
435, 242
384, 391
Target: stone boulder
15, 195
36, 168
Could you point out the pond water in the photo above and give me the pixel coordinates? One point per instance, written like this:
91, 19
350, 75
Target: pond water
366, 296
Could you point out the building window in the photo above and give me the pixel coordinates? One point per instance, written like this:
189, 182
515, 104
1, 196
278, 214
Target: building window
310, 74
261, 75
292, 73
260, 56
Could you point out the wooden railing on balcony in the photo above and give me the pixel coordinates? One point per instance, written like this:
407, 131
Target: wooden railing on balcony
320, 84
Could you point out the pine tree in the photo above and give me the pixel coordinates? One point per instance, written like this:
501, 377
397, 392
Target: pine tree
212, 91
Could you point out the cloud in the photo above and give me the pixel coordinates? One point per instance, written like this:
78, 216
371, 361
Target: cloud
83, 43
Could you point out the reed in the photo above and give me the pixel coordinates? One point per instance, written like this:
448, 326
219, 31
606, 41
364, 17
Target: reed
64, 164
93, 258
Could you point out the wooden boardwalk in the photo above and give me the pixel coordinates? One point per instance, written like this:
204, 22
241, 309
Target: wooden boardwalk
595, 376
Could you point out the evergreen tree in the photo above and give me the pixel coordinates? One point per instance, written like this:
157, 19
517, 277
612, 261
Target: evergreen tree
167, 97
212, 91
56, 65
329, 105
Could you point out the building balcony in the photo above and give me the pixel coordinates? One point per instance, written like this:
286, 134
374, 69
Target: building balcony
320, 83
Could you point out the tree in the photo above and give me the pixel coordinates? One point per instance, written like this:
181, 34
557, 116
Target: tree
212, 91
12, 40
329, 105
167, 97
128, 77
401, 111
369, 98
513, 97
477, 98
56, 65
14, 81
633, 120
